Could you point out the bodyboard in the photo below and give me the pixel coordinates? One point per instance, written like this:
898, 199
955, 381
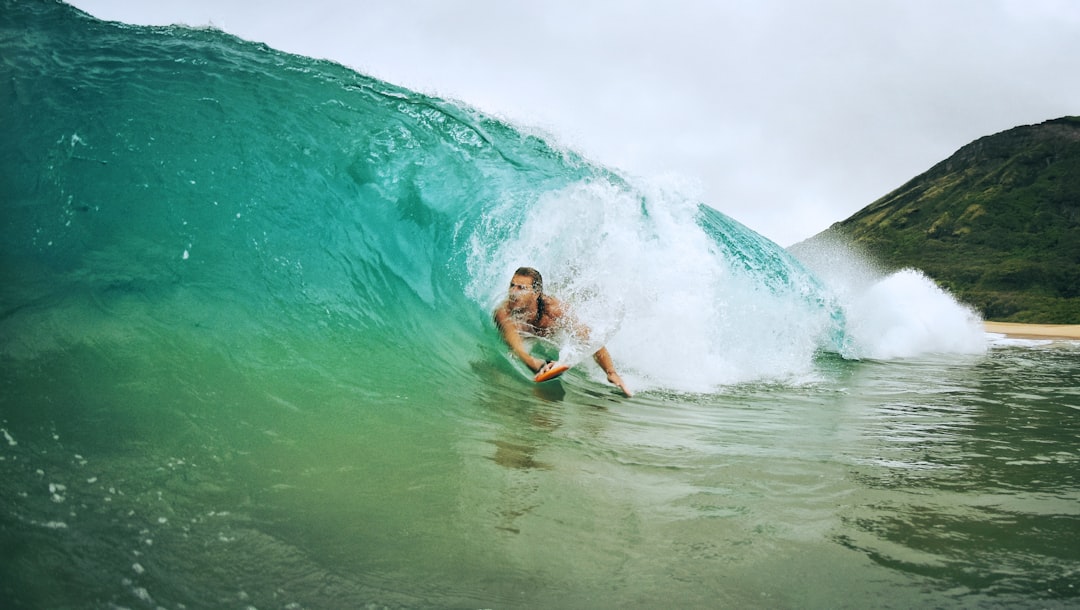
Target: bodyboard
551, 373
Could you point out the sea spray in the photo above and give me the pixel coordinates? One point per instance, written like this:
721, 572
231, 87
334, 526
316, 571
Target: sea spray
651, 273
891, 315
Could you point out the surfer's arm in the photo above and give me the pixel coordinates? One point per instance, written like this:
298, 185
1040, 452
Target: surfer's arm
603, 358
513, 339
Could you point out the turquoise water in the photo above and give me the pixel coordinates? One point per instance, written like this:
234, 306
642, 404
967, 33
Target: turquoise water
247, 361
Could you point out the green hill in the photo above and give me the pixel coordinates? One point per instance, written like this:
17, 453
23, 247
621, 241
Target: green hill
997, 224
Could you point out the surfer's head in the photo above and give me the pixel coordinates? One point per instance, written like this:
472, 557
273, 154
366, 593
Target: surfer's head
536, 280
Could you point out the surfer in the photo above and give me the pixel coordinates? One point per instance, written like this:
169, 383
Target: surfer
528, 311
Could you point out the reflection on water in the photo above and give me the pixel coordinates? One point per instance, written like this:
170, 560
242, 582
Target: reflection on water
975, 485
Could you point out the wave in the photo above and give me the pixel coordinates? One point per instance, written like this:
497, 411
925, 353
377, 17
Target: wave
179, 185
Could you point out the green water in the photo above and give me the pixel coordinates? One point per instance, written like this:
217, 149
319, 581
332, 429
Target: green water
870, 488
246, 361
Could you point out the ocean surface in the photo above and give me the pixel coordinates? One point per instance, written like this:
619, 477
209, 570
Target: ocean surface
246, 361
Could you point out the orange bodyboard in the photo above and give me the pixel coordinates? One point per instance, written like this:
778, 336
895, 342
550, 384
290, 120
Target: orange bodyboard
551, 373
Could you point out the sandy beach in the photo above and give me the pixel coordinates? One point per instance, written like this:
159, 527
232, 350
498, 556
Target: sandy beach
1034, 331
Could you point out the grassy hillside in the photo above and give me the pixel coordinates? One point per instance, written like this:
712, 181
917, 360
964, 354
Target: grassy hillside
997, 224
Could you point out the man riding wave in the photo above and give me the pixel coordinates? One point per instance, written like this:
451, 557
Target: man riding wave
527, 311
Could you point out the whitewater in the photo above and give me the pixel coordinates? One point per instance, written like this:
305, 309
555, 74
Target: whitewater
248, 360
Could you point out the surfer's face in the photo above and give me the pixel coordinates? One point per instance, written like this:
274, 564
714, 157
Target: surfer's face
521, 288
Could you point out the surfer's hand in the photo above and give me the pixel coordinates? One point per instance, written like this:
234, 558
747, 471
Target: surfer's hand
614, 378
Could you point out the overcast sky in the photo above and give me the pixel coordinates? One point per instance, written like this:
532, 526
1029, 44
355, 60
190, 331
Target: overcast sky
787, 115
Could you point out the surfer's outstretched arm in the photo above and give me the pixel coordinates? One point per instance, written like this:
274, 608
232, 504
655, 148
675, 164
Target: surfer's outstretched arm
603, 358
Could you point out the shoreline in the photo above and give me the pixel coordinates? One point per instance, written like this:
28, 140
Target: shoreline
1033, 331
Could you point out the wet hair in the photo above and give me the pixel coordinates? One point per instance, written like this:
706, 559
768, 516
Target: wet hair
538, 280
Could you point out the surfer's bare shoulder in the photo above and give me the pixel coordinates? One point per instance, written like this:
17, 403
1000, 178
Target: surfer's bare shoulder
553, 308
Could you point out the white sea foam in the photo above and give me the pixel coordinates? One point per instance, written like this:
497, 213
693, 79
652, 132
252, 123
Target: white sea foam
1001, 340
906, 314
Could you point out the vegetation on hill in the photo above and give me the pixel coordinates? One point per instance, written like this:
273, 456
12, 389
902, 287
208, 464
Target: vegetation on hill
997, 224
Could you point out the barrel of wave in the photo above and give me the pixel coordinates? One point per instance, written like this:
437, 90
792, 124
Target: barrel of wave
637, 267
